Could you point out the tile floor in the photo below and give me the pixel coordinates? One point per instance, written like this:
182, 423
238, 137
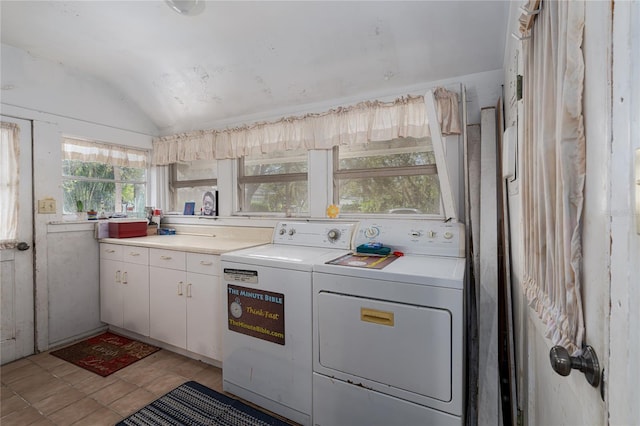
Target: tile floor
45, 390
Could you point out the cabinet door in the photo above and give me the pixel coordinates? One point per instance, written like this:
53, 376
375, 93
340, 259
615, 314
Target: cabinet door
135, 285
111, 292
204, 333
167, 306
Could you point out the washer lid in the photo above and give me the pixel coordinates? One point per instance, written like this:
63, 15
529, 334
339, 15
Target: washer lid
283, 256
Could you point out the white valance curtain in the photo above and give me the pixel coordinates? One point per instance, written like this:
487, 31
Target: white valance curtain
554, 170
94, 152
358, 124
9, 183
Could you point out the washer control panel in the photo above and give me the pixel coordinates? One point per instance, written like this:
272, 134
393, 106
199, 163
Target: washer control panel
426, 237
314, 234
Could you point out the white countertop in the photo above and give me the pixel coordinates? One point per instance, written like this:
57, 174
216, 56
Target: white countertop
188, 243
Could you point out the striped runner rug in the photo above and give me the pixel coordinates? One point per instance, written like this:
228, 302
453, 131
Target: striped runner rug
193, 404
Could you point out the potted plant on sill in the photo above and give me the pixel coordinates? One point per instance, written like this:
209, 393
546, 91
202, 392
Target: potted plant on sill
80, 213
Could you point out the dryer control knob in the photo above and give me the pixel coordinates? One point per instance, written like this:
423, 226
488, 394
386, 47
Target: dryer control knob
292, 231
333, 234
282, 231
371, 232
448, 235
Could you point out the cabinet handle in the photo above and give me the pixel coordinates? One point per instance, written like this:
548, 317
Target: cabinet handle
118, 277
189, 290
180, 288
133, 253
205, 263
124, 278
165, 257
110, 250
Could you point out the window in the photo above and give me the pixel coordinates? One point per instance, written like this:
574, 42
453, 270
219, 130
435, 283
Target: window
103, 178
390, 177
274, 183
191, 180
9, 183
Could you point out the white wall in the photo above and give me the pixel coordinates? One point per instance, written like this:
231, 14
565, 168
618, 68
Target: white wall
60, 102
625, 236
609, 242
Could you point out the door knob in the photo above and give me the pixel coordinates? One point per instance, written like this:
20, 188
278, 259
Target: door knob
562, 363
22, 246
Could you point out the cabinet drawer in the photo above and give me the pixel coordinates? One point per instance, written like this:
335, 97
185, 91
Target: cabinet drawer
203, 263
167, 259
133, 254
110, 251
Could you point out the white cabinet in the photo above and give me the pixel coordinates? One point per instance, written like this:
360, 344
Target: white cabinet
124, 287
185, 301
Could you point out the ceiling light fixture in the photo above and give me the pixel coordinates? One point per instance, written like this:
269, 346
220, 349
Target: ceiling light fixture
186, 7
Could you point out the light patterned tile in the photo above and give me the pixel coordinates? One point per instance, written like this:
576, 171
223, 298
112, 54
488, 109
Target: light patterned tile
6, 368
43, 422
20, 373
58, 400
114, 391
132, 402
26, 416
74, 412
45, 390
210, 377
10, 405
189, 368
33, 382
140, 375
94, 383
78, 376
165, 383
65, 369
46, 360
101, 417
6, 392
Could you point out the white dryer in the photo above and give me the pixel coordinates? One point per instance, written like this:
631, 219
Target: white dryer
388, 341
267, 339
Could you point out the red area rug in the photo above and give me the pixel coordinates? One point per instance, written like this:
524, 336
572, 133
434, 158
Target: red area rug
106, 353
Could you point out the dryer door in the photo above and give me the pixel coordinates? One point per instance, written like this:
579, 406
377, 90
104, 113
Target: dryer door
402, 345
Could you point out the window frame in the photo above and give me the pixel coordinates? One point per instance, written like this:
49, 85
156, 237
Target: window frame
417, 170
175, 184
99, 145
242, 179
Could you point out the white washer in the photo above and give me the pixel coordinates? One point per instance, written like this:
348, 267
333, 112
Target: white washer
388, 344
267, 340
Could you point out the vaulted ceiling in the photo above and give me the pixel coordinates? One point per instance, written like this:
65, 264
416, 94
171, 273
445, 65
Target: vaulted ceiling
229, 59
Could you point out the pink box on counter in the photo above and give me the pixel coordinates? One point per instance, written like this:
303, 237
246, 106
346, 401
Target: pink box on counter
127, 228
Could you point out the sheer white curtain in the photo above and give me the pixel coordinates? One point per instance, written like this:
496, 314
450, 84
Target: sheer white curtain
358, 124
9, 183
90, 151
554, 170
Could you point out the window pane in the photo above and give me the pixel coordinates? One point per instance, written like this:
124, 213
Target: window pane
192, 193
401, 152
398, 194
114, 197
276, 197
196, 170
276, 163
129, 174
90, 170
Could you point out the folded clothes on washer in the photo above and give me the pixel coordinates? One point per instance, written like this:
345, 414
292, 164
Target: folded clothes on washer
373, 248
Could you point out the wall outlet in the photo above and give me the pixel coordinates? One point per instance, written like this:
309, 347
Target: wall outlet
47, 206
